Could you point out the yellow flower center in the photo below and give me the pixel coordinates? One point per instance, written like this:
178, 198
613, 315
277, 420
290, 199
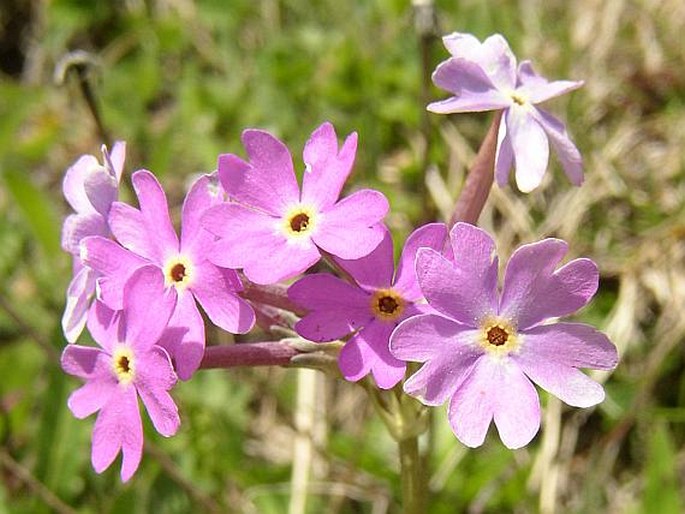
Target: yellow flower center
178, 272
123, 364
498, 336
299, 222
518, 98
387, 305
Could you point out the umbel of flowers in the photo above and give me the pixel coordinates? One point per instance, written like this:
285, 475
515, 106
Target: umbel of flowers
249, 227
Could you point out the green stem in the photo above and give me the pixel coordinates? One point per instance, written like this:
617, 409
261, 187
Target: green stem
413, 479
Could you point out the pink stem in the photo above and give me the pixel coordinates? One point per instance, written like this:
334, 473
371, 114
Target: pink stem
273, 353
275, 295
479, 180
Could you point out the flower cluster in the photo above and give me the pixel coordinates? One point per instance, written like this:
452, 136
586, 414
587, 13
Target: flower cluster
139, 287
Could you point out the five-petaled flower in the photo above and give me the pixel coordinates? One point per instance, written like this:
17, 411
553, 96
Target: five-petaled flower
148, 236
484, 348
484, 77
128, 364
90, 188
371, 307
273, 231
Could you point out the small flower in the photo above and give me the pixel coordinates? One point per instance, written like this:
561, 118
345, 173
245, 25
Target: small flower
271, 230
372, 307
90, 188
484, 77
148, 237
127, 365
485, 348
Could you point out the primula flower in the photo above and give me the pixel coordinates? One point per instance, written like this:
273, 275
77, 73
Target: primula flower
128, 364
484, 77
148, 236
372, 307
273, 231
486, 347
90, 188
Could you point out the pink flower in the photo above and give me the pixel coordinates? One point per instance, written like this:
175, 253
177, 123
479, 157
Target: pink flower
486, 347
484, 77
273, 231
148, 236
90, 188
372, 307
128, 364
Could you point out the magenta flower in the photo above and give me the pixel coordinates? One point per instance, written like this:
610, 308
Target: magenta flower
90, 188
128, 364
484, 77
485, 348
271, 230
372, 307
148, 236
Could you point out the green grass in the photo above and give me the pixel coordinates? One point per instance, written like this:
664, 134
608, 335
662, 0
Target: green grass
180, 80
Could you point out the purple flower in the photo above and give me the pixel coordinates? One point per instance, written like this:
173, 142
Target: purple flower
486, 347
372, 307
148, 236
128, 364
271, 230
484, 77
90, 188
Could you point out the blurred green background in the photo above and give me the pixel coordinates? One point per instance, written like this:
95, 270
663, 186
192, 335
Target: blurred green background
179, 80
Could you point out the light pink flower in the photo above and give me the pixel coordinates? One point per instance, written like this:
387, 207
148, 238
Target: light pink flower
271, 230
90, 188
485, 347
127, 365
148, 236
484, 77
371, 308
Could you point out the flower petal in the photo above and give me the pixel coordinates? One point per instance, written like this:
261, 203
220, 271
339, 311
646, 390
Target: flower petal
92, 396
504, 155
351, 228
202, 196
77, 227
155, 211
101, 189
432, 235
184, 337
533, 291
570, 157
128, 226
118, 426
74, 180
116, 157
336, 308
375, 270
255, 242
83, 361
104, 325
465, 290
530, 146
326, 170
439, 378
79, 295
430, 336
268, 181
114, 263
213, 288
569, 344
144, 325
538, 89
368, 352
154, 377
496, 388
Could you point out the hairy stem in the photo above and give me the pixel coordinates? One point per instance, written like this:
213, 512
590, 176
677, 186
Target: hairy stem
275, 295
413, 478
479, 180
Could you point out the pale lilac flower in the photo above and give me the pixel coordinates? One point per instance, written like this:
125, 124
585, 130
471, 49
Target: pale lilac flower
484, 77
90, 188
128, 364
273, 231
148, 236
486, 347
371, 308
